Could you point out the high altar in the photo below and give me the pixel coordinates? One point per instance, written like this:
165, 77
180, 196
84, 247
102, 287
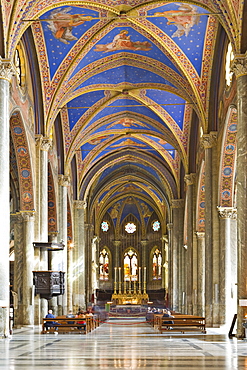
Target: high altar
130, 291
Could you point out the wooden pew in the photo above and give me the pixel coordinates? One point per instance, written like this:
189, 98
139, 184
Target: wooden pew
70, 325
181, 323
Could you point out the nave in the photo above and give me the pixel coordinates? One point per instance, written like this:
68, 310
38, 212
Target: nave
122, 344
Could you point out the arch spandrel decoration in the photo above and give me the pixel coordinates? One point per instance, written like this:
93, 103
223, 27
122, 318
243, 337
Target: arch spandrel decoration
23, 162
228, 160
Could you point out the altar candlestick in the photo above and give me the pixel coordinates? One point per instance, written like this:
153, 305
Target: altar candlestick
115, 280
119, 273
144, 279
140, 280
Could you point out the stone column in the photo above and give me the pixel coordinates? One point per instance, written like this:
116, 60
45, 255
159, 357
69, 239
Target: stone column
177, 207
89, 229
27, 274
5, 79
189, 180
63, 183
200, 273
208, 141
239, 67
145, 263
95, 270
53, 265
228, 262
117, 260
79, 255
169, 257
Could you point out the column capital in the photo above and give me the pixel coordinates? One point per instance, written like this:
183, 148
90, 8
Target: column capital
169, 226
116, 243
239, 65
144, 243
27, 215
80, 204
190, 179
6, 69
227, 212
200, 235
44, 143
177, 203
63, 180
209, 140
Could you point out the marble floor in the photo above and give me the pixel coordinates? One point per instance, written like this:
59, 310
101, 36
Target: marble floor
122, 344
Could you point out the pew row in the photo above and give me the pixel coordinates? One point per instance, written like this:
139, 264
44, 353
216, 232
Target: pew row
181, 323
80, 325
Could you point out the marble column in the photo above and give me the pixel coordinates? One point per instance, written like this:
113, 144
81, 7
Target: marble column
200, 273
117, 261
43, 145
177, 207
27, 274
239, 67
63, 183
169, 258
79, 286
53, 265
228, 262
145, 260
208, 141
89, 234
5, 79
190, 181
95, 269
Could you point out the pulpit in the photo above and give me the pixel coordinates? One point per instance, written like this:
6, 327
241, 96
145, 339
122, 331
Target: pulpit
49, 283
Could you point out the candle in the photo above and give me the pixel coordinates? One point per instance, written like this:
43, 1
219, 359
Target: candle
119, 271
115, 275
139, 274
145, 274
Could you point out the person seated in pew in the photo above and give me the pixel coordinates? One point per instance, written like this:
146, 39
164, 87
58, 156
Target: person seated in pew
167, 313
70, 315
51, 324
81, 324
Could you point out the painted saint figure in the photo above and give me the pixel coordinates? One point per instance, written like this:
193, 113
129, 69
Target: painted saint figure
122, 41
184, 19
62, 23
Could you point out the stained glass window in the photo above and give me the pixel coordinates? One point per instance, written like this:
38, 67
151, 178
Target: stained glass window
156, 225
157, 265
130, 266
104, 226
130, 227
104, 265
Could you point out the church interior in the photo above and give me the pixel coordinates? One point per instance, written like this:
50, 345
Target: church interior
123, 164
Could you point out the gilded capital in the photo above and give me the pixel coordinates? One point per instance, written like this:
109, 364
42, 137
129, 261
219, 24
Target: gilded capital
27, 215
227, 212
239, 65
190, 179
80, 204
63, 180
200, 235
209, 140
169, 226
6, 69
177, 203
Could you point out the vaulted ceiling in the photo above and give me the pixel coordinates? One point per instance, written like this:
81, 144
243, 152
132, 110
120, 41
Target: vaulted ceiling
127, 79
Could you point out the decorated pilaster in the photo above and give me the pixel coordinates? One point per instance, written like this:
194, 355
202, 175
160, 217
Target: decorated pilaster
239, 68
208, 141
200, 273
177, 235
63, 183
228, 264
190, 181
5, 79
79, 255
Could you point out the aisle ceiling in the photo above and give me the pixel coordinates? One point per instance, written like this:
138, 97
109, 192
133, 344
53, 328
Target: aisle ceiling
125, 76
